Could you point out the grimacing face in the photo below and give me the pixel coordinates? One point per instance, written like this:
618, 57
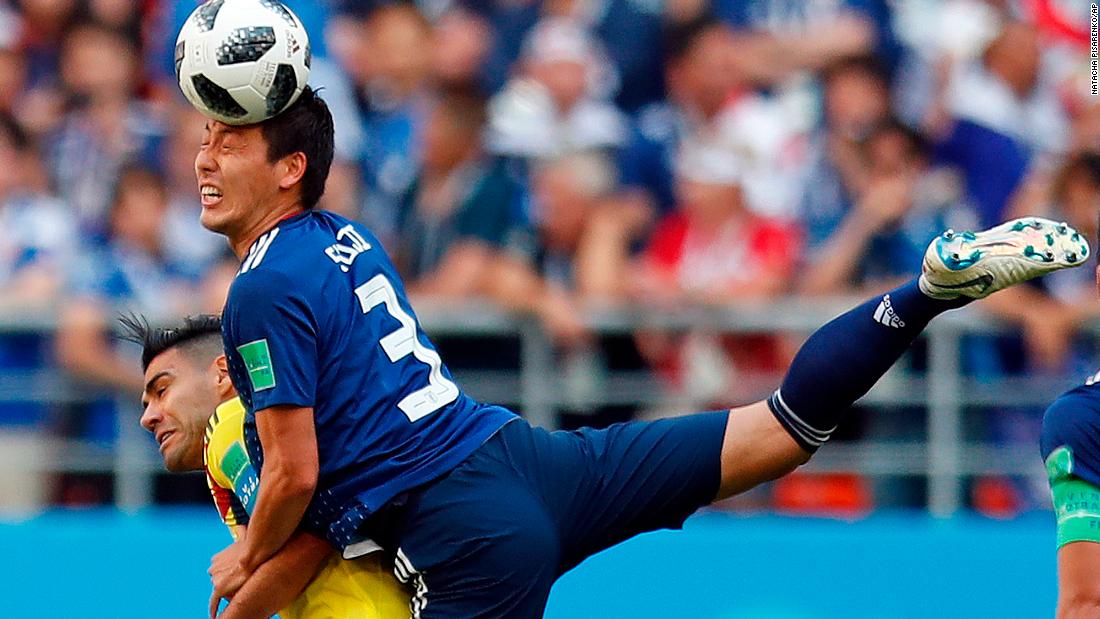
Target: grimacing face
179, 398
235, 178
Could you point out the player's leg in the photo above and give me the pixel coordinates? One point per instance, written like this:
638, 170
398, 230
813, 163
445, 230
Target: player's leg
842, 360
478, 543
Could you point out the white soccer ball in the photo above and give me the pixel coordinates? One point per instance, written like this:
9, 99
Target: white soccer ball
242, 61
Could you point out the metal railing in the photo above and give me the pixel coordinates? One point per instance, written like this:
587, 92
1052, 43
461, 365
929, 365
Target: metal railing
943, 457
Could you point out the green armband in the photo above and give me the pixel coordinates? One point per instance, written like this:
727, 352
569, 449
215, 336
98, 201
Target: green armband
1076, 501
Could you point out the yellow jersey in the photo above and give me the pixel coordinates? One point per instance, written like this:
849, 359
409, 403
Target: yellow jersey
358, 588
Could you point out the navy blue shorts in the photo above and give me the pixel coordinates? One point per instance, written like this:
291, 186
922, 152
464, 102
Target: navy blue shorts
491, 537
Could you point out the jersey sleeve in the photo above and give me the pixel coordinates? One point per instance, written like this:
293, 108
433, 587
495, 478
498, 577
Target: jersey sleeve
271, 340
230, 509
1070, 446
1070, 440
229, 473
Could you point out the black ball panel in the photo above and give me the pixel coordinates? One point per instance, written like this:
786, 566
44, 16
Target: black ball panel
246, 45
206, 14
282, 89
216, 98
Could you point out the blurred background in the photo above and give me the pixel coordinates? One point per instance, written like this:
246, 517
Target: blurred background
604, 210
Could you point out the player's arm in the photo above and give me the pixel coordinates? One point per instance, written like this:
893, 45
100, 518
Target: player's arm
1071, 449
280, 580
1078, 585
271, 337
290, 473
289, 479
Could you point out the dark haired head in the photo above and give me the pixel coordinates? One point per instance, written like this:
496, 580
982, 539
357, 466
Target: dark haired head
680, 37
202, 333
306, 127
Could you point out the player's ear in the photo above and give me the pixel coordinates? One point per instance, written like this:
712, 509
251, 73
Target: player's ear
225, 385
291, 169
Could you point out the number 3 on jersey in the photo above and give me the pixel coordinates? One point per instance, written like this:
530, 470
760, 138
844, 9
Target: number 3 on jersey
403, 342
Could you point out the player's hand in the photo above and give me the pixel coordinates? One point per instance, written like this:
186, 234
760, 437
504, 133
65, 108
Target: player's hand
227, 574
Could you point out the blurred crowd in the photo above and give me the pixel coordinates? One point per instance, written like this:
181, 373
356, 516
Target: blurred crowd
552, 155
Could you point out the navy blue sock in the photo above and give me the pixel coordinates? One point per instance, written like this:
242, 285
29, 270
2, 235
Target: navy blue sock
842, 360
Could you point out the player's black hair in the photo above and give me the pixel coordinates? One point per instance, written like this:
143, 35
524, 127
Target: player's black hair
306, 127
680, 37
194, 332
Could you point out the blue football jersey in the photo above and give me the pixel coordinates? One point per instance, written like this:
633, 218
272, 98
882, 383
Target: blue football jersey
1072, 422
318, 317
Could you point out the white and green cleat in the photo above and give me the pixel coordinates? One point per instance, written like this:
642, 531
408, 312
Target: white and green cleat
977, 264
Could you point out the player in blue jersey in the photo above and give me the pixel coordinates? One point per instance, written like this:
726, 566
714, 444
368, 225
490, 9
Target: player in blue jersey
359, 431
1070, 446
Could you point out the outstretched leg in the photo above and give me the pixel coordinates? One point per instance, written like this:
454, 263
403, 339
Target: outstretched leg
842, 360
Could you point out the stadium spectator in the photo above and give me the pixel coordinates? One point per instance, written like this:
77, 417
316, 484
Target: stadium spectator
44, 26
131, 272
940, 38
855, 100
714, 250
542, 271
549, 270
28, 94
708, 100
700, 79
631, 33
461, 210
390, 65
461, 42
122, 16
36, 243
105, 126
898, 202
783, 37
568, 193
1001, 121
558, 102
185, 240
36, 238
509, 21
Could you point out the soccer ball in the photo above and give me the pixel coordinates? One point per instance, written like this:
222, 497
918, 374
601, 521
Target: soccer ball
242, 61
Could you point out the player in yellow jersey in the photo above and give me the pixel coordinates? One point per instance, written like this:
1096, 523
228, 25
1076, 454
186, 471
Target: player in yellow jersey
186, 381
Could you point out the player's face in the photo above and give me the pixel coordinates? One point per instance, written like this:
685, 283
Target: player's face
235, 178
179, 398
